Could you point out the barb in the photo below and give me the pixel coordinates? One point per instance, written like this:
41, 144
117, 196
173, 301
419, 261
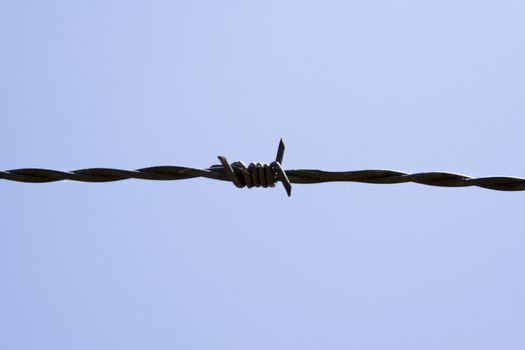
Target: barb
257, 174
264, 175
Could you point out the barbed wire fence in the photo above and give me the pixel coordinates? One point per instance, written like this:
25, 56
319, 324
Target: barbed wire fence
264, 175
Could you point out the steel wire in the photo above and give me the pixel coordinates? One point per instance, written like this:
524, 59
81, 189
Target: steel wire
264, 175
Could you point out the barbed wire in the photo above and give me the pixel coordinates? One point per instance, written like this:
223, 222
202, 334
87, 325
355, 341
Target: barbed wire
264, 175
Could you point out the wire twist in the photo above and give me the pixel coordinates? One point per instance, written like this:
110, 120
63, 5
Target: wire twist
264, 175
257, 174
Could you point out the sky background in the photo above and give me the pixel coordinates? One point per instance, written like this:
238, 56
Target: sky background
199, 264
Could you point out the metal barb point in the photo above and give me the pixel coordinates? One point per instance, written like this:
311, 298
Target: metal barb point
280, 152
281, 174
229, 172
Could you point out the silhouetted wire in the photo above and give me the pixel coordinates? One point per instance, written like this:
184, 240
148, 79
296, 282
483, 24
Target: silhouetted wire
264, 175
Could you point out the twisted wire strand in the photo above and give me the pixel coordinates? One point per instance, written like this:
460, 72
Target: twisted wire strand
264, 175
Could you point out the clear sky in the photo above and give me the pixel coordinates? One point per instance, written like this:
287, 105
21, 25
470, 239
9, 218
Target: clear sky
199, 264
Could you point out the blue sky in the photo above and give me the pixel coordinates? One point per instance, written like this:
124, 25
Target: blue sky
198, 264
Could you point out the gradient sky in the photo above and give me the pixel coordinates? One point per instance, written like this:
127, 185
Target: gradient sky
198, 264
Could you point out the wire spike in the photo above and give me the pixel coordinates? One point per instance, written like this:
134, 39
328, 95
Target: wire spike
280, 152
